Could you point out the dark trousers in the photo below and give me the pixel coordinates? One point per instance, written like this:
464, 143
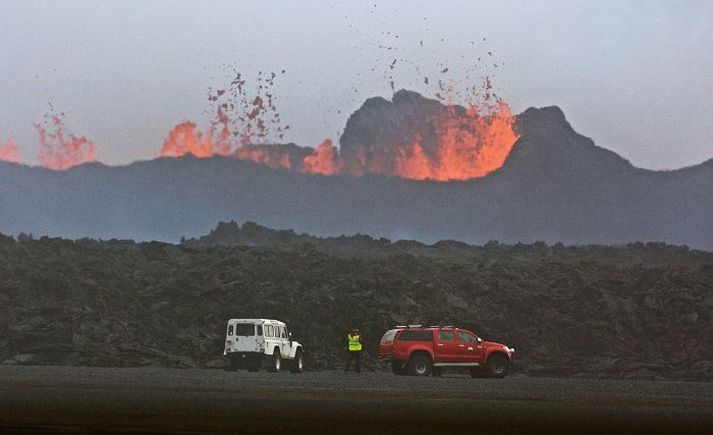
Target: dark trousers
356, 357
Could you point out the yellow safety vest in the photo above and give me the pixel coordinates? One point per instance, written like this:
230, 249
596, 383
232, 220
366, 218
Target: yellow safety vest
354, 344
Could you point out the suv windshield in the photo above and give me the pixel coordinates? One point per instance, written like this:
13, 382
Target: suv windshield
244, 329
389, 335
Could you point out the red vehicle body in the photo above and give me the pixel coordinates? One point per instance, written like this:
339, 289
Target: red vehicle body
422, 351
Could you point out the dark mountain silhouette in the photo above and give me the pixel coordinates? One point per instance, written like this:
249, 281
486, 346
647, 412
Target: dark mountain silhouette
556, 186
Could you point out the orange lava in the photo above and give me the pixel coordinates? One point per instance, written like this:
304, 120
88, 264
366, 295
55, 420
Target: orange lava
273, 156
324, 160
186, 138
469, 146
461, 143
60, 149
9, 152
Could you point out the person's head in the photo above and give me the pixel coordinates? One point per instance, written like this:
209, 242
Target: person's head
354, 331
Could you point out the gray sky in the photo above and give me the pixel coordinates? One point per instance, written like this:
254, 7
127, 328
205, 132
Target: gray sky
637, 77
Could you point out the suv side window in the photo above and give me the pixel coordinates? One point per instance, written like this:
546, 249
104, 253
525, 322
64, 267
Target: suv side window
446, 335
467, 336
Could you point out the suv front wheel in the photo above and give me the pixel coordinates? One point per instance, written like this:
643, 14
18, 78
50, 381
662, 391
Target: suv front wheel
420, 365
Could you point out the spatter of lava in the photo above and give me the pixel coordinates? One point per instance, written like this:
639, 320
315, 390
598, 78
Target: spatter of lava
59, 148
9, 152
468, 143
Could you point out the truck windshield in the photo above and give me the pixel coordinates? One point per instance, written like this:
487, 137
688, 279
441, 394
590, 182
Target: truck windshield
244, 329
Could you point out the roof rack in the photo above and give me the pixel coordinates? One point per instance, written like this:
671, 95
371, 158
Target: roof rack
409, 326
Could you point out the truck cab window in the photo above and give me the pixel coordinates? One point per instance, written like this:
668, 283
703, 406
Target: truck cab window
467, 336
446, 335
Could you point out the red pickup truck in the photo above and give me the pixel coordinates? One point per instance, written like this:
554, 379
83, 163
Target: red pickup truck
422, 351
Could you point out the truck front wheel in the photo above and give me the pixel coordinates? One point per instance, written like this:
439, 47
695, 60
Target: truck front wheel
497, 366
420, 365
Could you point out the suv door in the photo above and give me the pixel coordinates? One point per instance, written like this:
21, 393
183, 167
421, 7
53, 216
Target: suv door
469, 349
284, 342
446, 347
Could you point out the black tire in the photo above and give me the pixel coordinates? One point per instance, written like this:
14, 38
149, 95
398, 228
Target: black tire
476, 372
275, 362
397, 369
420, 365
497, 366
298, 364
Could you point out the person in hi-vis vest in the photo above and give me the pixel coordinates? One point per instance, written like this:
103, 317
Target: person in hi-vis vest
355, 345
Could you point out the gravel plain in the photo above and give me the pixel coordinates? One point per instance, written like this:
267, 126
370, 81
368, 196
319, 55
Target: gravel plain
51, 398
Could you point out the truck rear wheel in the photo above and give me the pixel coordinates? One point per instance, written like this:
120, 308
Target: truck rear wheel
275, 363
420, 365
497, 366
298, 364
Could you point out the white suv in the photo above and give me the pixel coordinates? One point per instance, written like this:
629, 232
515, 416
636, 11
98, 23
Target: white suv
252, 343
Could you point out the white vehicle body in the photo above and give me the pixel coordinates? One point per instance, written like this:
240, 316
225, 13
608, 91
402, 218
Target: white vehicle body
249, 343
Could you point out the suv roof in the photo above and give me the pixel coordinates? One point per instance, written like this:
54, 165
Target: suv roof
255, 321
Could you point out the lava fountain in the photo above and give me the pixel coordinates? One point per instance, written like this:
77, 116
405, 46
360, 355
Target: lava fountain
59, 148
9, 152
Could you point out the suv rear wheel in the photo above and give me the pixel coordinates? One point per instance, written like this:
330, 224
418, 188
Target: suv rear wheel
275, 362
420, 365
497, 366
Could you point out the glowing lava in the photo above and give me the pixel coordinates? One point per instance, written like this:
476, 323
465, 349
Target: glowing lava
468, 146
415, 138
324, 160
60, 149
9, 152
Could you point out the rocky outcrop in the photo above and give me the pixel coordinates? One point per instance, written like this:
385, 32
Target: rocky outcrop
568, 311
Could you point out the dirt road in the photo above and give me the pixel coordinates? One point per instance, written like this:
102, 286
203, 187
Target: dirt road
155, 399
